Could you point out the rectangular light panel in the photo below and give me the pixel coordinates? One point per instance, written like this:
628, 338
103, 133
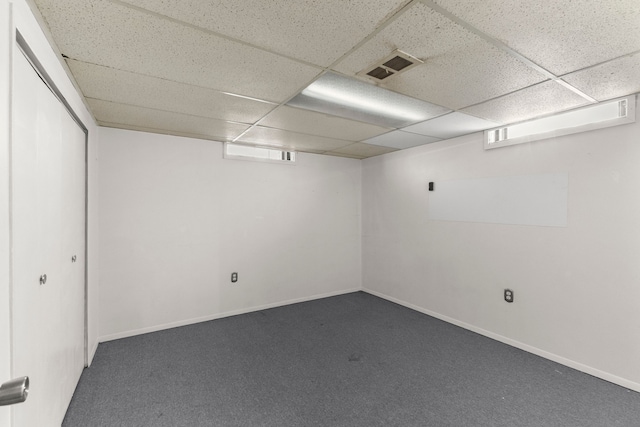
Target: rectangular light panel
451, 125
346, 97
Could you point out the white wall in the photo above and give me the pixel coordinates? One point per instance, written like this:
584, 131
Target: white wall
576, 288
176, 219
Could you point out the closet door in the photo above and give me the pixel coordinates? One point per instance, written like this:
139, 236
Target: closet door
48, 223
72, 227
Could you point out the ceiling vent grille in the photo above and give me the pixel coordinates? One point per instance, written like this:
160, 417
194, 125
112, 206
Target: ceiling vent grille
394, 64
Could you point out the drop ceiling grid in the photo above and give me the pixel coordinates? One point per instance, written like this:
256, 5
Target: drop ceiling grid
106, 33
560, 36
156, 131
348, 156
265, 136
538, 100
363, 150
505, 48
123, 87
328, 131
181, 66
419, 31
489, 73
310, 122
451, 125
446, 48
312, 31
610, 80
401, 140
133, 116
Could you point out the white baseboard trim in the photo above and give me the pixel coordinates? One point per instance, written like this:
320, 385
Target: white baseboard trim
631, 385
131, 333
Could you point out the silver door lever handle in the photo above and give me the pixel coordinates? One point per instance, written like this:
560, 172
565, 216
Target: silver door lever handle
14, 391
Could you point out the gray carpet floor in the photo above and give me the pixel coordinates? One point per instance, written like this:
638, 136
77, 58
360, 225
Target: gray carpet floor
350, 360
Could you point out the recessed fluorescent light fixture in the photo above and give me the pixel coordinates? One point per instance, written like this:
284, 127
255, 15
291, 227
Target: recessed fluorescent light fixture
354, 99
601, 115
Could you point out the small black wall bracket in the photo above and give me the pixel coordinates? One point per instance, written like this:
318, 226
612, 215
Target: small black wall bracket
431, 186
508, 295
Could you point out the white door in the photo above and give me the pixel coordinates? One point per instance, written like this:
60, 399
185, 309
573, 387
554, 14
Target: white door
48, 230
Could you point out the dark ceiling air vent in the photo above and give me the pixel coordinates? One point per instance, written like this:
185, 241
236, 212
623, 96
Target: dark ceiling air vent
390, 66
380, 73
398, 63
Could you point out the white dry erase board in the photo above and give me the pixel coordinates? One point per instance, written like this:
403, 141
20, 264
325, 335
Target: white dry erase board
523, 200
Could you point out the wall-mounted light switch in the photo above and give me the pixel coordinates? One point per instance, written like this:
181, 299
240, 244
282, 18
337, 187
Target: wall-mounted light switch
234, 277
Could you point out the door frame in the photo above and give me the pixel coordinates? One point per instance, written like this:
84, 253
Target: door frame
24, 49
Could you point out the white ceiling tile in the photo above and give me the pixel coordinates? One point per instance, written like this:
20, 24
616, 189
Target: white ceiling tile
125, 87
362, 150
401, 140
347, 156
610, 80
544, 98
259, 135
315, 31
460, 68
489, 73
132, 116
561, 36
451, 125
310, 122
420, 32
117, 36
